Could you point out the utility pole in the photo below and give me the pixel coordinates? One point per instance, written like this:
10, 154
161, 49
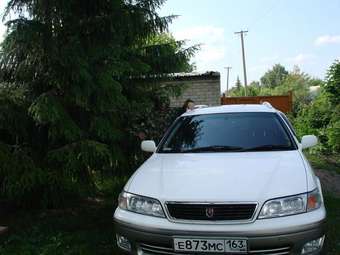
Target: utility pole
228, 68
242, 32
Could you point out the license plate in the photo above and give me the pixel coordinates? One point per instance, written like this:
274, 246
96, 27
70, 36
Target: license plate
225, 245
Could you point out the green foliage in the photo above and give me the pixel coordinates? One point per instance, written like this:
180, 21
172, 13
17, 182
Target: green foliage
282, 83
77, 79
314, 119
238, 83
333, 225
252, 90
23, 181
324, 161
333, 135
83, 229
13, 114
299, 83
274, 77
163, 47
332, 86
296, 81
322, 116
238, 90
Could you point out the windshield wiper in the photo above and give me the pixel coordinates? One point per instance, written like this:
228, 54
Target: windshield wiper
213, 148
269, 147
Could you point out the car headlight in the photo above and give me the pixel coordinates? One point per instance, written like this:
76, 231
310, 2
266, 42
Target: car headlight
291, 205
140, 204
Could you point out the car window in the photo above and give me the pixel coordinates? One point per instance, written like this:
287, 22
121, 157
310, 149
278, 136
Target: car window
227, 132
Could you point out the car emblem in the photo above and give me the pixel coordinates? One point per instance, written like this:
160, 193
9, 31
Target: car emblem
209, 212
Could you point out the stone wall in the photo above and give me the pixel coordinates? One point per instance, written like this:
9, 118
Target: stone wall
203, 88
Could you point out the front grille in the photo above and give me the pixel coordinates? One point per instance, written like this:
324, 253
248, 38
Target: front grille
147, 249
213, 212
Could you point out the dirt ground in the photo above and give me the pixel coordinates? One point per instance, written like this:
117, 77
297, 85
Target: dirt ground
330, 181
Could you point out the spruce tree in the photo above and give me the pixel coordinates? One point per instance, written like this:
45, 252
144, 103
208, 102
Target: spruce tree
73, 62
238, 84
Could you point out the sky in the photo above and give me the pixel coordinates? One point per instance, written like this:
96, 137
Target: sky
300, 32
290, 32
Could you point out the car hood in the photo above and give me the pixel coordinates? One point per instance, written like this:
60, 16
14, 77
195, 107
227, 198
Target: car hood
220, 177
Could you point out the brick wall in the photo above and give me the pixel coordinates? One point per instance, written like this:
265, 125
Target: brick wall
203, 88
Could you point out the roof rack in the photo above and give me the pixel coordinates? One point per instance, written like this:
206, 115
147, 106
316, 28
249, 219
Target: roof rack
267, 104
199, 106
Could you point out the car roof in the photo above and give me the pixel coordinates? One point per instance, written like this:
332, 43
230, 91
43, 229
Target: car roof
232, 108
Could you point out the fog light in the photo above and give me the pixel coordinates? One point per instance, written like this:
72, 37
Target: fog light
123, 243
312, 246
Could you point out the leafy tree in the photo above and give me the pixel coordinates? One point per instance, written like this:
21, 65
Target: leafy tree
333, 131
299, 83
274, 77
314, 118
332, 86
321, 116
74, 66
253, 89
254, 84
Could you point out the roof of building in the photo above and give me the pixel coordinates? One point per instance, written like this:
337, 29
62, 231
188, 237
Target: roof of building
192, 74
208, 75
266, 107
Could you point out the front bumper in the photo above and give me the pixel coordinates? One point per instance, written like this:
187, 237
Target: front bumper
280, 236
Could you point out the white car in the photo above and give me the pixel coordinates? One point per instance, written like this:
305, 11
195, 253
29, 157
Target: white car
227, 179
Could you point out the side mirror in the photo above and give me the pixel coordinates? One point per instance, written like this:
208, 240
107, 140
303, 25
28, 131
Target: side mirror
148, 146
308, 141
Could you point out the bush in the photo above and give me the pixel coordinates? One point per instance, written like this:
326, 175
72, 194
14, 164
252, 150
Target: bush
332, 86
322, 116
333, 132
25, 184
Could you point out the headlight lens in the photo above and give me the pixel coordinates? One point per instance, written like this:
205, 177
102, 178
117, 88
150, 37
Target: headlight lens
140, 204
291, 205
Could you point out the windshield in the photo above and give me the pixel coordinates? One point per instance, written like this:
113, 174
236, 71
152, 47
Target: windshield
224, 132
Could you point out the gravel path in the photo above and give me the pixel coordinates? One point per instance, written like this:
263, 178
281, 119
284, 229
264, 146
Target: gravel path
330, 181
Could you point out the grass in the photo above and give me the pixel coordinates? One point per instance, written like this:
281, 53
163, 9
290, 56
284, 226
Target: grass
332, 244
87, 227
83, 229
329, 162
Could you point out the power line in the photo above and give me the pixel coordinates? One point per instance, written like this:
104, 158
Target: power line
265, 14
257, 19
242, 32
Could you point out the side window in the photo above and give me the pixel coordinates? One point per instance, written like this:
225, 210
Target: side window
288, 123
